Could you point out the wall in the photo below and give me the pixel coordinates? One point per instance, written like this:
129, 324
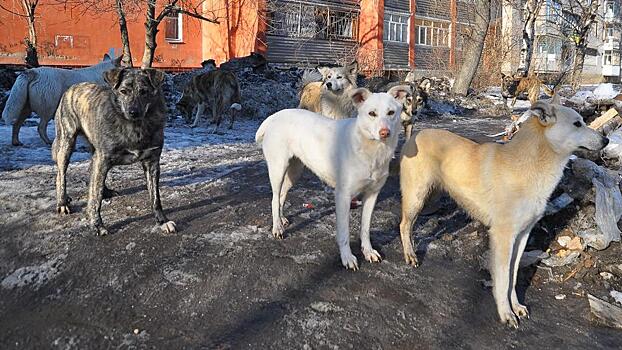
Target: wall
69, 37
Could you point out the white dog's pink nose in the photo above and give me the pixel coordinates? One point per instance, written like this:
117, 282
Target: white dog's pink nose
384, 133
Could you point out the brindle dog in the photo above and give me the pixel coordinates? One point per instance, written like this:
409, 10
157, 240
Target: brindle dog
124, 122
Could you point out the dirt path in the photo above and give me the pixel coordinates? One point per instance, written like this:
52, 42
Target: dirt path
223, 282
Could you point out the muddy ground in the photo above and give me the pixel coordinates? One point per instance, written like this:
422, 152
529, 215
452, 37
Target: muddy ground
223, 282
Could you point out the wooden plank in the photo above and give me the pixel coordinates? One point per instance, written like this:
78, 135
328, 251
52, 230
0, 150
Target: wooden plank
607, 313
604, 119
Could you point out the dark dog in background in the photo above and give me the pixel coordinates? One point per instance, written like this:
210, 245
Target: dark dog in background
219, 89
124, 122
514, 86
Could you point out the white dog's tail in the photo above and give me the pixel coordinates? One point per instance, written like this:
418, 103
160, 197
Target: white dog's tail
18, 97
262, 130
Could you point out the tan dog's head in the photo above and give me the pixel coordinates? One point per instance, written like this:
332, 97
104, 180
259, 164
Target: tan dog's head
378, 114
565, 129
339, 78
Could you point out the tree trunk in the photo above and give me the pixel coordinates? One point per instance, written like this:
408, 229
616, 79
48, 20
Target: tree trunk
151, 31
577, 66
532, 8
32, 58
473, 47
125, 37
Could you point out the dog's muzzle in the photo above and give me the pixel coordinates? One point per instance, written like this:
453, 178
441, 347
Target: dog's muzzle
384, 133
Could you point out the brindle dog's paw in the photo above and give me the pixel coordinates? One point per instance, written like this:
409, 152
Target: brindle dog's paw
100, 231
63, 209
168, 227
17, 143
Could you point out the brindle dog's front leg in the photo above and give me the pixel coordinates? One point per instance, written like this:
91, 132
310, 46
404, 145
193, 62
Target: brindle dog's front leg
99, 170
152, 175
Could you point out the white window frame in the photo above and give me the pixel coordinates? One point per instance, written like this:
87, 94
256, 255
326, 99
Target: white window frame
180, 29
607, 58
394, 21
434, 36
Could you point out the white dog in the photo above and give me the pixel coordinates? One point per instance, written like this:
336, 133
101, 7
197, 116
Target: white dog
351, 155
39, 90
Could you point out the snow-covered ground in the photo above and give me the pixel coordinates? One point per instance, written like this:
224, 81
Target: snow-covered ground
191, 158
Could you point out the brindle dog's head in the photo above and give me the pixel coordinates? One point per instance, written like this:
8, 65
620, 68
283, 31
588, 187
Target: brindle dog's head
136, 90
509, 84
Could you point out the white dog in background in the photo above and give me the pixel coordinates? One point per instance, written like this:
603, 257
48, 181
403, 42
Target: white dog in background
351, 155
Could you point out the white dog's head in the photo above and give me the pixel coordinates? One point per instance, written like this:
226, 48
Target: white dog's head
379, 114
565, 129
339, 78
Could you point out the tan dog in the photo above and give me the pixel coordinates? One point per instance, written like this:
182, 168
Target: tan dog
505, 186
514, 86
331, 96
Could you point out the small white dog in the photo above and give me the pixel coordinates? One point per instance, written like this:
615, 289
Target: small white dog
351, 155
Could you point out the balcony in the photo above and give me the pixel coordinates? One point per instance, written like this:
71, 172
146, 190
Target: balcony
611, 71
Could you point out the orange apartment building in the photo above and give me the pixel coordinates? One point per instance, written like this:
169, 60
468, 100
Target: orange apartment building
380, 34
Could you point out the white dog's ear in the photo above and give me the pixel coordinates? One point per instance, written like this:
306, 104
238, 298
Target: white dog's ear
400, 92
359, 96
106, 57
324, 71
545, 112
556, 100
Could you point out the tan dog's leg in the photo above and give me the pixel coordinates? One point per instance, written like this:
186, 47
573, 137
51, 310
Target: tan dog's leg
521, 241
292, 174
501, 247
371, 255
197, 117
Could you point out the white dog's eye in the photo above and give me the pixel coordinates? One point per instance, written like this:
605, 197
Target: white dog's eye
577, 124
329, 76
339, 77
391, 112
372, 114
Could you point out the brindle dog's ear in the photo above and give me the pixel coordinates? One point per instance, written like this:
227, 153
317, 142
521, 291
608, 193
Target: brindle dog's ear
156, 77
114, 76
545, 112
400, 92
117, 61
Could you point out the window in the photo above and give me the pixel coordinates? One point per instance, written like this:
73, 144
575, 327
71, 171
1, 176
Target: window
173, 27
553, 10
300, 20
395, 28
432, 33
610, 8
607, 58
608, 31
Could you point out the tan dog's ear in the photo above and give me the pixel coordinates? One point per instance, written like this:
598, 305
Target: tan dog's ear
556, 100
545, 112
156, 77
400, 93
114, 76
359, 96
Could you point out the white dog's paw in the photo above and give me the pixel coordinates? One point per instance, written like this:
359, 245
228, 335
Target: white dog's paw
349, 261
277, 231
372, 255
520, 310
168, 227
508, 318
284, 221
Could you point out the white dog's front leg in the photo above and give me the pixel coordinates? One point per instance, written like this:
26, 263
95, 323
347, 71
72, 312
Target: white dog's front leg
342, 204
197, 117
369, 201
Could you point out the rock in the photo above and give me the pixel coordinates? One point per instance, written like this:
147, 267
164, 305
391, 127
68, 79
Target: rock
606, 275
532, 257
560, 296
324, 307
561, 258
557, 204
34, 276
617, 296
605, 312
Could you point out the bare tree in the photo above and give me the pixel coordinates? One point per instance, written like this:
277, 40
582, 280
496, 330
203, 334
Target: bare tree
531, 10
575, 19
27, 12
473, 46
153, 20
